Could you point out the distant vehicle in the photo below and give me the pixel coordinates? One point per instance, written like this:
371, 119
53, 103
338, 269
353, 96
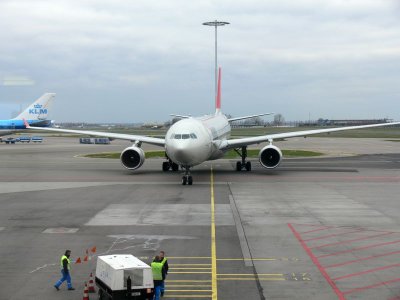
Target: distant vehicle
35, 114
37, 139
24, 139
104, 141
123, 276
10, 140
86, 140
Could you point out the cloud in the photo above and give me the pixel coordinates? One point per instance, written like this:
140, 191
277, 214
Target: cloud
159, 51
17, 81
138, 79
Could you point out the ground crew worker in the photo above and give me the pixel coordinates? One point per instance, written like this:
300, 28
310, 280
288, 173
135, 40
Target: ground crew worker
165, 271
157, 269
65, 265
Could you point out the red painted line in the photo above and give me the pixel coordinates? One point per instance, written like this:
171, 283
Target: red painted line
312, 225
317, 263
360, 248
335, 234
366, 272
395, 298
360, 289
353, 240
314, 230
361, 259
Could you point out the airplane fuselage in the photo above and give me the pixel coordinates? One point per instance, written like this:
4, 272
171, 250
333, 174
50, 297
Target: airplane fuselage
192, 141
13, 125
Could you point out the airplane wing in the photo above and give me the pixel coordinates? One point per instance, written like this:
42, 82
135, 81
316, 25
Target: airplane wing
248, 117
235, 143
139, 138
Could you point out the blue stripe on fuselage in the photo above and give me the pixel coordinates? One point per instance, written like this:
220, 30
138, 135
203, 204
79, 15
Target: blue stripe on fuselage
19, 124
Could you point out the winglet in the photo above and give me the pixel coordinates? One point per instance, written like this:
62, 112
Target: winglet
26, 124
218, 96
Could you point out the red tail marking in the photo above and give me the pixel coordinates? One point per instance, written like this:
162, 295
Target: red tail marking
218, 99
26, 123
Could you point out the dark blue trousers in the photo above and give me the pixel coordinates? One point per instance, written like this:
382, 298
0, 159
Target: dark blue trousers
65, 276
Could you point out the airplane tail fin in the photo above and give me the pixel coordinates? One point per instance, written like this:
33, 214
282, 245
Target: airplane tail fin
218, 96
39, 109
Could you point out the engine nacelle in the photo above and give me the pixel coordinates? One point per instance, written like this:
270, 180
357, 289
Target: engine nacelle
270, 156
132, 158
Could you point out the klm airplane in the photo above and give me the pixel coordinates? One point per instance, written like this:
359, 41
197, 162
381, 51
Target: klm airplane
35, 114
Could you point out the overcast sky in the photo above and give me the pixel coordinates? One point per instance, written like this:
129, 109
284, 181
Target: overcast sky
140, 60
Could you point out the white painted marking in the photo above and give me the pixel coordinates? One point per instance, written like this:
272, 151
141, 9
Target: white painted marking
161, 214
124, 242
15, 187
42, 267
2, 228
61, 230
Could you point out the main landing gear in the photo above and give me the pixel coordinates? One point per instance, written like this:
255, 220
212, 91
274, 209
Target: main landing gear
187, 178
243, 164
169, 164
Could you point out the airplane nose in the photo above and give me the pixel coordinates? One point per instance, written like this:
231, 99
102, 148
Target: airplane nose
184, 152
183, 155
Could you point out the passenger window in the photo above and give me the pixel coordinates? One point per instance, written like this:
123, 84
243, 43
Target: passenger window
172, 136
185, 136
177, 136
193, 136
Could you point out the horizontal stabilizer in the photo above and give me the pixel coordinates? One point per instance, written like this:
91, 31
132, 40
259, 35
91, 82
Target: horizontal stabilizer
248, 117
180, 116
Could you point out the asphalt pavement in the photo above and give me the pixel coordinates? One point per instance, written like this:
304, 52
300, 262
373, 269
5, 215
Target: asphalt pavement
318, 228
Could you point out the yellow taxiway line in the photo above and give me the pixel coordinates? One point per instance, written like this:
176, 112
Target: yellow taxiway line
213, 245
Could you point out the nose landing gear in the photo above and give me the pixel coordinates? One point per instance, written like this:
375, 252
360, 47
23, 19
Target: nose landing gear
187, 178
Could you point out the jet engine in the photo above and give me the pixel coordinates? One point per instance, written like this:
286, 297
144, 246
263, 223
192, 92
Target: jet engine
270, 156
132, 158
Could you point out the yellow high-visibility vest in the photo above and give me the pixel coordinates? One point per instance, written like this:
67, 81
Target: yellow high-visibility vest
156, 268
69, 262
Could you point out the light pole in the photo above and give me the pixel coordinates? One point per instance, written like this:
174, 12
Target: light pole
216, 24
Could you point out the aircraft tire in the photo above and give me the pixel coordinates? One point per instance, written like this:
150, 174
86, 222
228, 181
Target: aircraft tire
248, 166
165, 166
238, 166
184, 180
190, 180
175, 167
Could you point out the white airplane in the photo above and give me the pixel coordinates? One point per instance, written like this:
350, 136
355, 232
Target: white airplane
192, 141
35, 114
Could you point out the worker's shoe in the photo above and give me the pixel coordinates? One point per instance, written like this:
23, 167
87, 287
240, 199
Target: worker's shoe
71, 289
57, 288
162, 294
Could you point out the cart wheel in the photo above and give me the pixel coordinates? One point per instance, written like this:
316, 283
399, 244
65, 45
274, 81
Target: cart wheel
101, 295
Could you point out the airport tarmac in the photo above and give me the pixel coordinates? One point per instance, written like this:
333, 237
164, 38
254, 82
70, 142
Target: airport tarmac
318, 228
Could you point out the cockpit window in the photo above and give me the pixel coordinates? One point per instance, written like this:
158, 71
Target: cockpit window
184, 136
